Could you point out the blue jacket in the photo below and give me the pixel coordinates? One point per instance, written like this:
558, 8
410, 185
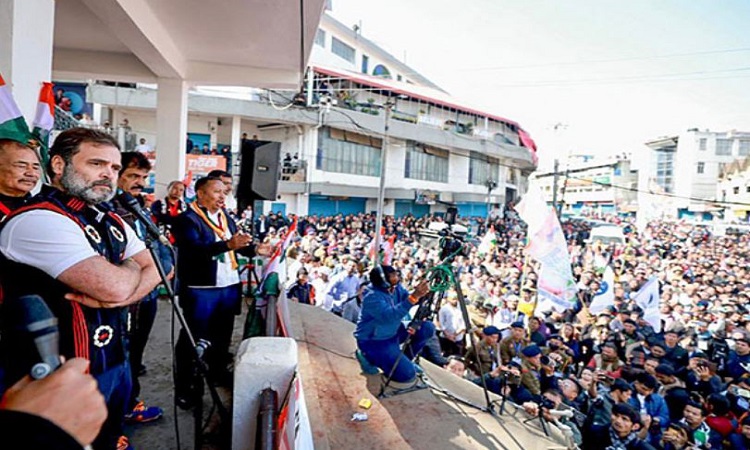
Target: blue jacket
655, 407
381, 313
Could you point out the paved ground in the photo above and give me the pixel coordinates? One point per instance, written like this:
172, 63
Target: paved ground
157, 389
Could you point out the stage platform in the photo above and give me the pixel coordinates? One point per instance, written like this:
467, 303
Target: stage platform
424, 419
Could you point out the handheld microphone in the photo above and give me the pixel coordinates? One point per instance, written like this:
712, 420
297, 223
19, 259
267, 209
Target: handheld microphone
131, 204
36, 327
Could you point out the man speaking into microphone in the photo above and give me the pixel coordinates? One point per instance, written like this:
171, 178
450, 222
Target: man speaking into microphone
210, 289
84, 261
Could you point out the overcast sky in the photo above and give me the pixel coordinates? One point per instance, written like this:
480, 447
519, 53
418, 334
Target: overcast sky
615, 73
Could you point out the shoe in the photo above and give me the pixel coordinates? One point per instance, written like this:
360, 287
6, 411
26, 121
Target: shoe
185, 403
143, 414
123, 443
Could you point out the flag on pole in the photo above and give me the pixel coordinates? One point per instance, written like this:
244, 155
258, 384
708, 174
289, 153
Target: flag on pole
606, 295
647, 298
388, 249
547, 245
12, 124
489, 242
44, 120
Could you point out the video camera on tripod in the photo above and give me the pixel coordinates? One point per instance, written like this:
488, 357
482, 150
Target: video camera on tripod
449, 238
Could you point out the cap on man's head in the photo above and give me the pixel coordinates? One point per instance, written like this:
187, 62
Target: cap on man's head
665, 369
624, 409
517, 324
621, 386
490, 330
531, 351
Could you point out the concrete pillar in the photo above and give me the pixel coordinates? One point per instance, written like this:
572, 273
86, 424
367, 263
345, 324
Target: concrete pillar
171, 132
236, 144
26, 31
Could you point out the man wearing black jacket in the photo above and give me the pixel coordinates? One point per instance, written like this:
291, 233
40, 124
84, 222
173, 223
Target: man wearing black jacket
621, 434
210, 289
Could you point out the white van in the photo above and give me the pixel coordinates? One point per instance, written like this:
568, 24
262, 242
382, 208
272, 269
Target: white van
607, 234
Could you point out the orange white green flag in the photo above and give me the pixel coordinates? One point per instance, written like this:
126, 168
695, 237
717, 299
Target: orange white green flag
44, 120
12, 123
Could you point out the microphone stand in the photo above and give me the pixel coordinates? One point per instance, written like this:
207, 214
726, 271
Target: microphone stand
201, 368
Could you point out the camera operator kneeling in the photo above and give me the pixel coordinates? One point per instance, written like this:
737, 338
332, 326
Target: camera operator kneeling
380, 332
622, 433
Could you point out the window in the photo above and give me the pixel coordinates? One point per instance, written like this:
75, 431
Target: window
320, 38
744, 148
701, 167
343, 50
747, 189
703, 144
723, 147
365, 63
482, 169
346, 152
736, 190
426, 163
381, 71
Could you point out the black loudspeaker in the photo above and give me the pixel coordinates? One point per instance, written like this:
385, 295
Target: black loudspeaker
259, 171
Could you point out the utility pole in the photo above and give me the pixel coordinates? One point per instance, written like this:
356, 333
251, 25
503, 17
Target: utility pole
381, 191
554, 187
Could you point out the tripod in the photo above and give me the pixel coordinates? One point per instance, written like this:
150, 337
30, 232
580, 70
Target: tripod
198, 348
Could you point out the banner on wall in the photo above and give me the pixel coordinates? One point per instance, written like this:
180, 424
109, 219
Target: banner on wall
201, 165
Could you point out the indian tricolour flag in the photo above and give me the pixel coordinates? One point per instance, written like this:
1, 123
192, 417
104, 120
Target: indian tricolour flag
12, 124
44, 120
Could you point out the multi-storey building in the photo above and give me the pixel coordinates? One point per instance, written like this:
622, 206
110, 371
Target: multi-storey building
687, 168
439, 151
591, 185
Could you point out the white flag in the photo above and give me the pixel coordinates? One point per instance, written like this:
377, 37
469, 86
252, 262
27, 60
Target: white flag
606, 295
647, 298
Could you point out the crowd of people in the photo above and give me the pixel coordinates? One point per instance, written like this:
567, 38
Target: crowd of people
686, 385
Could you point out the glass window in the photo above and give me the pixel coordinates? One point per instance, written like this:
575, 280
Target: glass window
365, 63
703, 144
482, 169
701, 167
744, 148
346, 152
723, 147
343, 50
320, 38
381, 71
426, 163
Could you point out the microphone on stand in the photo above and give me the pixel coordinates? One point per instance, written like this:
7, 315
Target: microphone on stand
131, 204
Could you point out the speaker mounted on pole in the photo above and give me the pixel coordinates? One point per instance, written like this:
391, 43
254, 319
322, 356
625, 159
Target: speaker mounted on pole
259, 172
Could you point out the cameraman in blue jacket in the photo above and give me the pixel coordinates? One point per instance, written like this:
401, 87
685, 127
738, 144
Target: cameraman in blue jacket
380, 331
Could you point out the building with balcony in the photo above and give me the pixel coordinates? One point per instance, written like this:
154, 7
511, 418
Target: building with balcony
439, 151
592, 186
687, 168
